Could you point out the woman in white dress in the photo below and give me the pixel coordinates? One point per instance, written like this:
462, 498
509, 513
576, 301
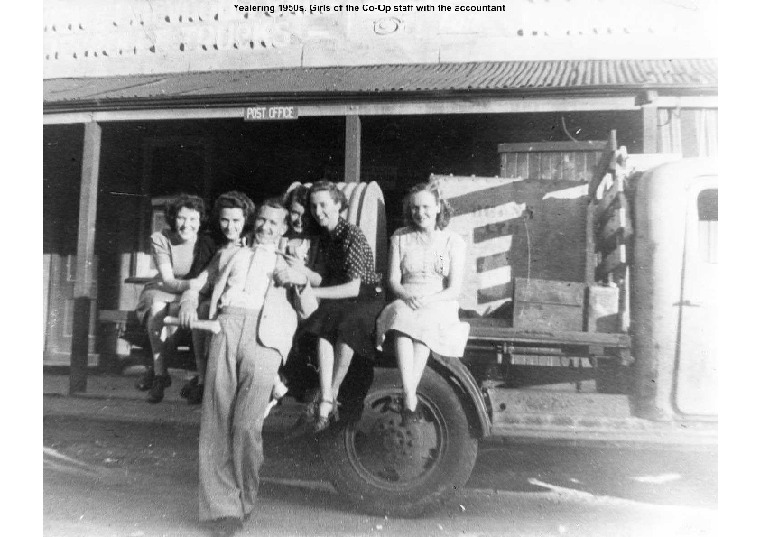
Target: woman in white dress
425, 272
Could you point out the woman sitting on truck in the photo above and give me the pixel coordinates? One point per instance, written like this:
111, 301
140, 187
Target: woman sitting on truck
180, 254
232, 215
351, 296
425, 272
302, 253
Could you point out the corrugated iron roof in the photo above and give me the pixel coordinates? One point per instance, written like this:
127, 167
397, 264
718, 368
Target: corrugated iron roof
518, 76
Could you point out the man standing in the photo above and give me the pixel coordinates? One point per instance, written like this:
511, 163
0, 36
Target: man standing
259, 299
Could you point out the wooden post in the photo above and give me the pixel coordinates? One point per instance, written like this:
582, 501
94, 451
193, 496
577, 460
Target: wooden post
352, 170
649, 134
88, 204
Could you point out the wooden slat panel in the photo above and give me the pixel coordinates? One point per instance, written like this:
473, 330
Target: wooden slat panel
512, 166
497, 292
550, 361
545, 316
534, 166
553, 161
493, 261
590, 165
568, 166
522, 165
496, 330
495, 230
508, 167
545, 166
549, 291
592, 145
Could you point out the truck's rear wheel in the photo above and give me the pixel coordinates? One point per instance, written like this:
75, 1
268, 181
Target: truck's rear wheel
383, 467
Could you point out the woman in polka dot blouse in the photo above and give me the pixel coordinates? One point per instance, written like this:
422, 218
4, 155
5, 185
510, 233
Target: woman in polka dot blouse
351, 297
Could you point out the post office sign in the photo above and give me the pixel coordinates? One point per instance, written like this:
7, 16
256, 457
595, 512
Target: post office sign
270, 113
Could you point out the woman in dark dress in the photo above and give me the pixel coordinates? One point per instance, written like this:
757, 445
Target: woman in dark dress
351, 297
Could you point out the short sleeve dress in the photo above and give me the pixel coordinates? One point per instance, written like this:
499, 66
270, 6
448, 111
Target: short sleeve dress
348, 256
186, 260
425, 265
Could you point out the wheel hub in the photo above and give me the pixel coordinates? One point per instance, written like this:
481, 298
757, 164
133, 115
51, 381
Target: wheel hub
391, 452
399, 442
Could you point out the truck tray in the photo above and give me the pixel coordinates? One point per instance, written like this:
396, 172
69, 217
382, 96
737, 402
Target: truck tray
493, 330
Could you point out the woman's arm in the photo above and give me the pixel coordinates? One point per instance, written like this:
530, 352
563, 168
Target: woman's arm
394, 270
169, 282
297, 264
162, 259
315, 278
203, 283
357, 258
344, 290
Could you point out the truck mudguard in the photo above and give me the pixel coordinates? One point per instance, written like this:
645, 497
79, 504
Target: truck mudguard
472, 397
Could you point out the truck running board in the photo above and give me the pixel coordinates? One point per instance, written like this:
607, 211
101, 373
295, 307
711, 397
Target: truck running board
580, 418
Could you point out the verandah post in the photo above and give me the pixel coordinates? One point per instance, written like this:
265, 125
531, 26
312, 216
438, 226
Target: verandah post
83, 296
352, 169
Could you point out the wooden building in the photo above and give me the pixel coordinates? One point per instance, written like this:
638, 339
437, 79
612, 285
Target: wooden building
143, 100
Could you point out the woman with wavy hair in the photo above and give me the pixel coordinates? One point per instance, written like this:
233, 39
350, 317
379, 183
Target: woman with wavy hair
351, 296
302, 251
425, 273
232, 218
180, 254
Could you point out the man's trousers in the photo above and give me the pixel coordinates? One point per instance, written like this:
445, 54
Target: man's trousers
239, 380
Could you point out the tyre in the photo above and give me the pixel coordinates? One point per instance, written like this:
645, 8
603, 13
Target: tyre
383, 467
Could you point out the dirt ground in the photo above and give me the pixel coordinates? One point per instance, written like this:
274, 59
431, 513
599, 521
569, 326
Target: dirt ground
107, 475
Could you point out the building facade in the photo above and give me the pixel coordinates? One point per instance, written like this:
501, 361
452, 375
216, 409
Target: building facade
146, 99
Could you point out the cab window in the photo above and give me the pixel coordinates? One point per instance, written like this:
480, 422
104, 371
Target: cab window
707, 209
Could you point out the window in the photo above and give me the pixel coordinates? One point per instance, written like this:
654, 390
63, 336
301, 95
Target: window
707, 209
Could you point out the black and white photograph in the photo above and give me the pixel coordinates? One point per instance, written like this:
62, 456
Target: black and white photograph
379, 268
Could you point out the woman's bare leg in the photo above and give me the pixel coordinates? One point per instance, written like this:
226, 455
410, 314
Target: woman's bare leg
343, 356
405, 357
326, 368
157, 335
421, 355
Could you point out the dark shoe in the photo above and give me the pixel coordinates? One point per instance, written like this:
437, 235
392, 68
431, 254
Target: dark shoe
184, 393
195, 394
305, 423
145, 381
322, 423
224, 527
410, 417
156, 393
